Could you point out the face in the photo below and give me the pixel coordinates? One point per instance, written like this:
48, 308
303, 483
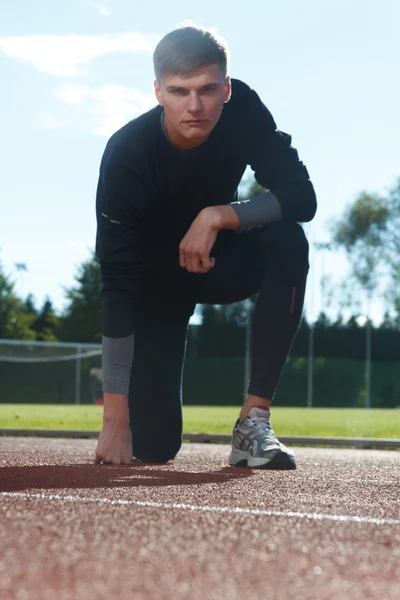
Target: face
192, 104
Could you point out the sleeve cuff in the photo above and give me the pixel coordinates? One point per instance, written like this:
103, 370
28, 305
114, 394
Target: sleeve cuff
258, 210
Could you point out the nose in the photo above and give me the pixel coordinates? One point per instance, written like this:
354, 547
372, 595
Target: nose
194, 103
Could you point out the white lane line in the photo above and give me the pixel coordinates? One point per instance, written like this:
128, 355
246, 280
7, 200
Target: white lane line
214, 509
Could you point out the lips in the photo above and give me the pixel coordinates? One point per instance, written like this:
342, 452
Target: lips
196, 122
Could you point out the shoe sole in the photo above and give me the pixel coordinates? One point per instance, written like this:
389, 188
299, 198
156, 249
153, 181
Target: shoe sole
279, 462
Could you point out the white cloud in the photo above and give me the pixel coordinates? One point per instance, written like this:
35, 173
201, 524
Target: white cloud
63, 55
102, 10
48, 122
105, 109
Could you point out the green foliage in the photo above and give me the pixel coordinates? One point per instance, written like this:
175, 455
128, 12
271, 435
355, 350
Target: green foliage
214, 381
392, 239
19, 324
47, 382
331, 340
251, 188
347, 340
6, 288
360, 233
81, 321
369, 231
363, 221
46, 323
235, 314
30, 306
337, 382
15, 323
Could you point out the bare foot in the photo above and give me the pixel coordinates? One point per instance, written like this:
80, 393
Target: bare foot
114, 446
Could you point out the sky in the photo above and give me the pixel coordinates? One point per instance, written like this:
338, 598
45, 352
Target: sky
72, 73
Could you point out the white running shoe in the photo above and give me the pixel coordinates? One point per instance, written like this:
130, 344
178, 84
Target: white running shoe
255, 445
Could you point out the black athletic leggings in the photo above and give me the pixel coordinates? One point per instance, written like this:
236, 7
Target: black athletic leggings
272, 261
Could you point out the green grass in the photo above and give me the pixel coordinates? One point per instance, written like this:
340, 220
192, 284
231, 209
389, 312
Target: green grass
346, 422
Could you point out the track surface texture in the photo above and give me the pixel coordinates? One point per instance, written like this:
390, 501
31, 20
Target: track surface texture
196, 528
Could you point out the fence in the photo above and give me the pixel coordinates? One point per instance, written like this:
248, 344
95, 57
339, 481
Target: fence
49, 372
65, 373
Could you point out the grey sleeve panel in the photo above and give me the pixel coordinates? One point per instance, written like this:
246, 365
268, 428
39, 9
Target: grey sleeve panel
258, 210
117, 364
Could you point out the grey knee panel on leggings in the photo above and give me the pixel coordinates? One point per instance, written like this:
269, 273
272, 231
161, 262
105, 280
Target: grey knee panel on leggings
117, 364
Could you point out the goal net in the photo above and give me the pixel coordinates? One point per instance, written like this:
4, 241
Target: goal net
49, 372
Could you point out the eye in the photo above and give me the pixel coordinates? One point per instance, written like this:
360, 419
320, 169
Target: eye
209, 89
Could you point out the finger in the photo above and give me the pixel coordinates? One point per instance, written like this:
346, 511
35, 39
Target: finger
189, 264
97, 459
197, 265
202, 270
205, 261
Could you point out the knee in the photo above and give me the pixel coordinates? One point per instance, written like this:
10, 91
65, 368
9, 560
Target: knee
297, 242
157, 453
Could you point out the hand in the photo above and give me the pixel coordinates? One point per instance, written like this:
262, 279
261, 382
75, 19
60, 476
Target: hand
195, 248
114, 446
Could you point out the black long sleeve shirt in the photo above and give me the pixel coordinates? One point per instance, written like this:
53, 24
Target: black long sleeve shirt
150, 191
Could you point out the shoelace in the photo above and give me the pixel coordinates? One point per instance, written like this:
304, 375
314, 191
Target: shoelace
258, 421
263, 426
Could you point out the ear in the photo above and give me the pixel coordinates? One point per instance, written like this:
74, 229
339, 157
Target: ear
158, 93
228, 89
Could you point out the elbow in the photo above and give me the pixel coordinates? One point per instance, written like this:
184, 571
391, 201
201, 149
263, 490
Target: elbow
298, 201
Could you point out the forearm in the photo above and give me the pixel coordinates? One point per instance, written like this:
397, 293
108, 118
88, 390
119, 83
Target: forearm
116, 407
222, 217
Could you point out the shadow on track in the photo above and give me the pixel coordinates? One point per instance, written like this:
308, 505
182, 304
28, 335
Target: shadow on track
107, 476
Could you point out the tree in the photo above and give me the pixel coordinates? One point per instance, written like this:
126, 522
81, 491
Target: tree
46, 323
6, 288
81, 320
15, 323
361, 232
30, 306
369, 231
365, 220
392, 230
391, 249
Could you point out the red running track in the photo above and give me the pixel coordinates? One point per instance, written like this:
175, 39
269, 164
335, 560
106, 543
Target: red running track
197, 529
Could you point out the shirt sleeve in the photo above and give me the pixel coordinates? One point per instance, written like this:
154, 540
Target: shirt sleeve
120, 210
258, 210
276, 164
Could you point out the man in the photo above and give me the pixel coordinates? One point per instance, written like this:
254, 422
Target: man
171, 233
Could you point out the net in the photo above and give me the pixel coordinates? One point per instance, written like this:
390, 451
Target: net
49, 372
34, 352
